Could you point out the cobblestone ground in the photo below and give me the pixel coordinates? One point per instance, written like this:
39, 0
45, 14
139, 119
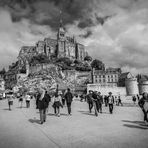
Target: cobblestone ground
20, 128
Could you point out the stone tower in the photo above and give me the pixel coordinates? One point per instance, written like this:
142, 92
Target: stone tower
61, 37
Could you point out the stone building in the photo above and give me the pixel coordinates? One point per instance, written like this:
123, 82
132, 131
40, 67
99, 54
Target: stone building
108, 77
62, 46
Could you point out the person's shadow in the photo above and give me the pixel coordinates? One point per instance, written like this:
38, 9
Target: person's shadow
135, 124
34, 121
6, 109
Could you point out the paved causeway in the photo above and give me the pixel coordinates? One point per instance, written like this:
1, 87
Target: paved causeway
20, 128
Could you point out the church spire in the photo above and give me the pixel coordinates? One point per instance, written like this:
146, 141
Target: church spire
61, 21
61, 30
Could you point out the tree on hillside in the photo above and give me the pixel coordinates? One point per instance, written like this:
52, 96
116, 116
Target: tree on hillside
64, 60
3, 71
39, 59
98, 65
88, 58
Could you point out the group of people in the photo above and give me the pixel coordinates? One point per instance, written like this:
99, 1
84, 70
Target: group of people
43, 99
95, 99
10, 96
58, 99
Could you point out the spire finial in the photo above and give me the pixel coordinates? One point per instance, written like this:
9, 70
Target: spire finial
61, 21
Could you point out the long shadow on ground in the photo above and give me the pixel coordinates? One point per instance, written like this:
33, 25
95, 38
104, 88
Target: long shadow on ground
34, 121
135, 124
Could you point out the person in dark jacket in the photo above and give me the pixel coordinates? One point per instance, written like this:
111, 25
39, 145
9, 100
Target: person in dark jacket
89, 100
106, 100
143, 103
95, 102
100, 102
68, 97
48, 99
42, 105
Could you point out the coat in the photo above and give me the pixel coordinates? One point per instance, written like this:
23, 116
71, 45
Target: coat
68, 97
43, 104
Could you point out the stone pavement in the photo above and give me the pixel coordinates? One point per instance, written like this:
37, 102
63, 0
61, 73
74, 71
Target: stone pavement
20, 128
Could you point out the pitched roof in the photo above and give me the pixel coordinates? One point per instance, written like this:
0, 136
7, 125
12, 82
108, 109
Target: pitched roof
124, 75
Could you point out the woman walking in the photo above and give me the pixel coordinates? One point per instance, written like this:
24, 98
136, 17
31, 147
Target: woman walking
42, 105
10, 99
57, 103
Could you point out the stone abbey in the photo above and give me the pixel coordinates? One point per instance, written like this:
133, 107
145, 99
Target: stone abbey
62, 46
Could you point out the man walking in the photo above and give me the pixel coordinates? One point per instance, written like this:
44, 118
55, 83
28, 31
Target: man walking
95, 102
68, 98
89, 100
100, 102
110, 102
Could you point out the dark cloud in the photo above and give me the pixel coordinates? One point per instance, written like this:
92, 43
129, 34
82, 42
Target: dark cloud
47, 12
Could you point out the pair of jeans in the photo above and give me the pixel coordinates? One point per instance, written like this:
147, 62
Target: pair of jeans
95, 104
27, 103
145, 115
100, 107
42, 115
90, 104
57, 110
69, 107
111, 108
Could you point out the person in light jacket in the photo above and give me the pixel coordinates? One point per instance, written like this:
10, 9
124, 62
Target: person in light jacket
57, 103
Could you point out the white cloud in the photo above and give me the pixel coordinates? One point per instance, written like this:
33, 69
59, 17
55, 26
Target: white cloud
15, 35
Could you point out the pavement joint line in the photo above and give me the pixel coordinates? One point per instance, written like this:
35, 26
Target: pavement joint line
43, 132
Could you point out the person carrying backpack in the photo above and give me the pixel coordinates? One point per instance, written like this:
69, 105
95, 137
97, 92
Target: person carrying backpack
68, 97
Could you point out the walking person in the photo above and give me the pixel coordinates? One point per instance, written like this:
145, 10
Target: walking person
63, 99
95, 102
21, 101
57, 103
90, 100
10, 99
111, 102
106, 100
48, 98
69, 99
42, 105
143, 103
119, 101
28, 98
134, 99
100, 102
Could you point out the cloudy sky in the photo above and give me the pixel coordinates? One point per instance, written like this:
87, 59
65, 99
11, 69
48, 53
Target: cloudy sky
114, 31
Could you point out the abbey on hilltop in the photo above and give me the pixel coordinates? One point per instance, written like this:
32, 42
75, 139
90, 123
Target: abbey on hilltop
62, 46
